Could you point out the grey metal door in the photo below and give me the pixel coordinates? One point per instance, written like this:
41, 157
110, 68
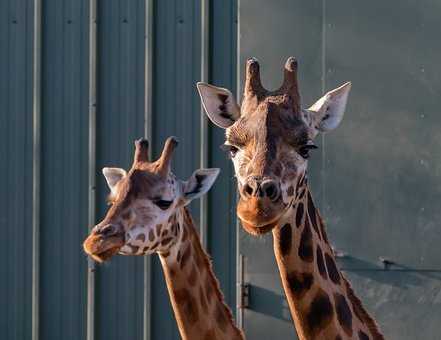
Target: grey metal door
377, 178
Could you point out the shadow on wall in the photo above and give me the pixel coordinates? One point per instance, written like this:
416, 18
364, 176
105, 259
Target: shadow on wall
393, 284
267, 302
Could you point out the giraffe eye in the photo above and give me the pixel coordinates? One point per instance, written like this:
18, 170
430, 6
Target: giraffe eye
304, 150
231, 149
163, 204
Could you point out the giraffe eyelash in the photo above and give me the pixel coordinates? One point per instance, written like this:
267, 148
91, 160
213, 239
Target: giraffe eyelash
231, 149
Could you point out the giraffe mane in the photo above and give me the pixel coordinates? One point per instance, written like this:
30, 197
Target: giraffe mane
357, 304
206, 258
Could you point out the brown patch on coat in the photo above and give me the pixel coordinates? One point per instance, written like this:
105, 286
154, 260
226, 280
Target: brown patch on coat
362, 335
141, 237
320, 313
312, 215
193, 276
299, 283
210, 335
202, 300
151, 235
185, 256
333, 271
361, 312
306, 249
344, 314
321, 263
187, 302
285, 240
299, 215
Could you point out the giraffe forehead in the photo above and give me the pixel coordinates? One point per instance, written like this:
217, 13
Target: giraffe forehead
269, 124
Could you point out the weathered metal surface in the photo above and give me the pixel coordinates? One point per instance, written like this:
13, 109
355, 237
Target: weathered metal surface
16, 60
148, 59
376, 178
64, 167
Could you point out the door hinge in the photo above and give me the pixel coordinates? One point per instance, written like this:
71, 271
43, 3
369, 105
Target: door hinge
244, 289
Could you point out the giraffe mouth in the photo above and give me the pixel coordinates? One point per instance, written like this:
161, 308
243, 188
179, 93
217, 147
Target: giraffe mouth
102, 248
259, 215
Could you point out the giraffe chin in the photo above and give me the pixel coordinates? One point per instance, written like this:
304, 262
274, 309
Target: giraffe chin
254, 230
102, 249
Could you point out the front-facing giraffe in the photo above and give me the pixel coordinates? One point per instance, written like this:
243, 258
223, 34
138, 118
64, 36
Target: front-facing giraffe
148, 215
269, 138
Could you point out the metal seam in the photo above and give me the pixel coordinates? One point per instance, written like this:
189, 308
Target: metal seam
90, 331
36, 157
148, 133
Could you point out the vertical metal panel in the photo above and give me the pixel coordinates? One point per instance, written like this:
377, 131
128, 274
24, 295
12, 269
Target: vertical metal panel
394, 102
387, 204
64, 297
120, 120
176, 112
16, 167
291, 28
90, 333
36, 167
205, 34
221, 198
389, 132
64, 203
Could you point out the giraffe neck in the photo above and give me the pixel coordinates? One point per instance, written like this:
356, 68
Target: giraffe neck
322, 302
198, 303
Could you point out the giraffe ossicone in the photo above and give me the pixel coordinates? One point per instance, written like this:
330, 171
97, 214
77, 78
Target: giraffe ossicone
148, 215
269, 138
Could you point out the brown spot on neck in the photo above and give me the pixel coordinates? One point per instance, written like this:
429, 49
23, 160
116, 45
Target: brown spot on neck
321, 263
344, 314
186, 301
299, 283
320, 313
299, 214
305, 250
333, 271
312, 215
285, 239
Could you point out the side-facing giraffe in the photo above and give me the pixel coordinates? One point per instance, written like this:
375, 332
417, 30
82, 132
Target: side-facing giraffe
269, 138
148, 215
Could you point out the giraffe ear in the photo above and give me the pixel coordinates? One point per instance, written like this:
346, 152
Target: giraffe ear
113, 176
328, 111
199, 183
219, 104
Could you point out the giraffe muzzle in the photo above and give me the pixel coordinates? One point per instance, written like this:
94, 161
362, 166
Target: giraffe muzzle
104, 241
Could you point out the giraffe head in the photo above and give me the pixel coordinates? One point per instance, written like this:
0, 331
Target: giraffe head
269, 138
144, 201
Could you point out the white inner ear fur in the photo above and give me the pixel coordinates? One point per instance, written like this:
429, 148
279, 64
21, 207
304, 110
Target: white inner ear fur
219, 104
199, 183
113, 176
328, 111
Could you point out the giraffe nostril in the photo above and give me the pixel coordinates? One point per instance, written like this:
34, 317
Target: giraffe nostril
248, 190
107, 230
270, 190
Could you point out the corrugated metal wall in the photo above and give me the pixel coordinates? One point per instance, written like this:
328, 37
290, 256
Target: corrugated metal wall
377, 176
64, 115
